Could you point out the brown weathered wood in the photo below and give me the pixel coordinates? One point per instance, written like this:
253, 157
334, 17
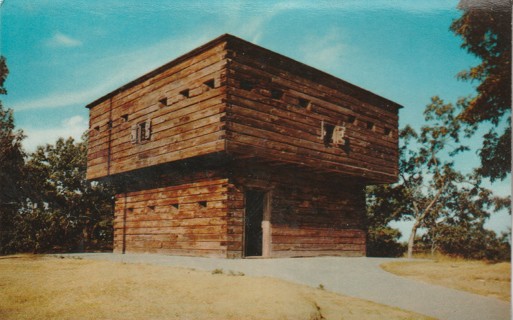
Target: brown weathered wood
228, 117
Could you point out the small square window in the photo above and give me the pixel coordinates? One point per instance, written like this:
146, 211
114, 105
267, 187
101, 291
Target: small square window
276, 94
370, 125
247, 85
185, 93
303, 103
387, 132
210, 84
163, 102
351, 119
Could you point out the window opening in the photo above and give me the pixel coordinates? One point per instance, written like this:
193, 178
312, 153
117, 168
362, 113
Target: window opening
351, 119
151, 208
125, 117
247, 85
304, 103
202, 204
327, 133
185, 93
97, 128
175, 205
388, 132
163, 102
276, 94
141, 132
370, 125
210, 84
332, 134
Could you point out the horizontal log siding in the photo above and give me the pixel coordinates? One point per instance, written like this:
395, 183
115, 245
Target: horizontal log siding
181, 219
280, 130
186, 127
311, 215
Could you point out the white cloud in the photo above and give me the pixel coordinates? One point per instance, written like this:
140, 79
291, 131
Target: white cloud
325, 52
62, 99
114, 71
61, 40
72, 127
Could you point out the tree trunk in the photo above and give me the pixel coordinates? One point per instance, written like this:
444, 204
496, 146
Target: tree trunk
412, 239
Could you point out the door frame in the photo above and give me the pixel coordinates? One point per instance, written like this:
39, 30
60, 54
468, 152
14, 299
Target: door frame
265, 224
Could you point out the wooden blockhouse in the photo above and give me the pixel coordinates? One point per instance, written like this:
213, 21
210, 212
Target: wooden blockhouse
232, 150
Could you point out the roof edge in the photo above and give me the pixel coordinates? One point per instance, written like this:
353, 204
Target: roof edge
160, 69
324, 73
227, 37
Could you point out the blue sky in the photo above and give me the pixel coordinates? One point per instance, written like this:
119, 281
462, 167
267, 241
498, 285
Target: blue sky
64, 54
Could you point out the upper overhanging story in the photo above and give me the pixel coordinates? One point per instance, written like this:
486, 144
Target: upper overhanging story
237, 100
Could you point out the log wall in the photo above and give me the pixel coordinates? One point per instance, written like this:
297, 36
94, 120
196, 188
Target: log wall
201, 213
184, 218
310, 215
277, 108
233, 97
182, 109
252, 119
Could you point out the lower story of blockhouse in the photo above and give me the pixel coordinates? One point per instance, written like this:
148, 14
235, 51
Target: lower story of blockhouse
240, 211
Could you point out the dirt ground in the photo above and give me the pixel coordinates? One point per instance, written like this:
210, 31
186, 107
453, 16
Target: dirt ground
34, 287
492, 280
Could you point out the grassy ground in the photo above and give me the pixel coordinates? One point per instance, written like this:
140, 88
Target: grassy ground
33, 287
493, 280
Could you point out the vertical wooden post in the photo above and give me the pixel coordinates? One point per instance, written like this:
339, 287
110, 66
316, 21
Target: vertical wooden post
109, 127
123, 247
266, 226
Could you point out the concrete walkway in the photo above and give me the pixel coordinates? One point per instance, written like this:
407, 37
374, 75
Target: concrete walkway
357, 277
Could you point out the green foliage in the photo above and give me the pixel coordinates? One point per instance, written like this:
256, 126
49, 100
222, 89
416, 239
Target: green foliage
64, 211
485, 30
46, 202
469, 241
11, 167
496, 154
431, 192
427, 174
383, 241
382, 208
61, 210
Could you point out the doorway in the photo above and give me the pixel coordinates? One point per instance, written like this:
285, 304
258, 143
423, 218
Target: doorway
256, 223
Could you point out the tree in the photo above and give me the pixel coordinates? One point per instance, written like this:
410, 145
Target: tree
430, 191
11, 167
427, 174
382, 208
64, 211
485, 28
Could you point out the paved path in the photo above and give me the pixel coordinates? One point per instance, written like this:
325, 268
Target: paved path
357, 277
